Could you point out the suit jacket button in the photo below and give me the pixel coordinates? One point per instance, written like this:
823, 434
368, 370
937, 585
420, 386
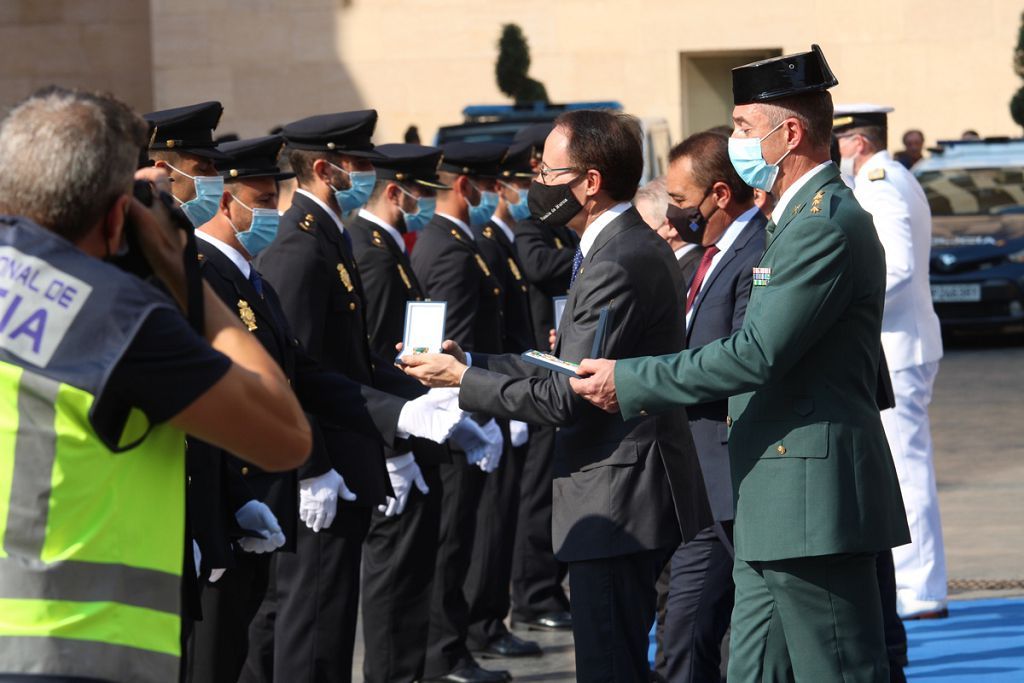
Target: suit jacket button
245, 471
497, 291
643, 413
728, 420
352, 306
781, 449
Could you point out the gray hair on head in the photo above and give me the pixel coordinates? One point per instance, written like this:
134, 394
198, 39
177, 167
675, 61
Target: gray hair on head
66, 156
655, 193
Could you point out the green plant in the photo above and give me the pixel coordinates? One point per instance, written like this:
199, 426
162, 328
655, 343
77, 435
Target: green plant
513, 66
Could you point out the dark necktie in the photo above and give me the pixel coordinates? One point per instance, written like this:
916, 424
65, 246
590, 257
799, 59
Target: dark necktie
348, 241
256, 281
577, 261
698, 277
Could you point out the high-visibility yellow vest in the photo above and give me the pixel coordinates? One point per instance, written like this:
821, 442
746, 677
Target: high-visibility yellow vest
91, 536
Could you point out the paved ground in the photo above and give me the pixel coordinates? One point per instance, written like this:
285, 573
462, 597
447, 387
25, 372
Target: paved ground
977, 421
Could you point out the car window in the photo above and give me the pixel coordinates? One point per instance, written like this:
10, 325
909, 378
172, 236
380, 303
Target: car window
973, 191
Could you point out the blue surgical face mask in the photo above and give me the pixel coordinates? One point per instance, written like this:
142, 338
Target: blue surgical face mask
414, 222
261, 232
748, 160
203, 207
358, 193
520, 210
484, 209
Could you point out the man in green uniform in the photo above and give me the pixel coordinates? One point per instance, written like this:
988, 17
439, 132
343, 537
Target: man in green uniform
816, 490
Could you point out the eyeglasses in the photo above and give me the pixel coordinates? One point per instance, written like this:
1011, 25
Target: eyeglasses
547, 173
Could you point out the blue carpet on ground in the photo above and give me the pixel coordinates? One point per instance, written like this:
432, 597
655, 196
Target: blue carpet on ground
982, 641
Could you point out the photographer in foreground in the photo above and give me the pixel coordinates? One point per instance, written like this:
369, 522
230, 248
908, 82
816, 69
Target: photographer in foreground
100, 378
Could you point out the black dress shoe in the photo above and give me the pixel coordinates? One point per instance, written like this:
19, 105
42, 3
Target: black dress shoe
472, 673
550, 621
508, 645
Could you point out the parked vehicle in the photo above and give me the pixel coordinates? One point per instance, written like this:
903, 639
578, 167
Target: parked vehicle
976, 193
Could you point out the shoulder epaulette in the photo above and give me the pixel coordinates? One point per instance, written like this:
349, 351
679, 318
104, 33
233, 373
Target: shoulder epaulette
307, 223
877, 174
489, 232
378, 240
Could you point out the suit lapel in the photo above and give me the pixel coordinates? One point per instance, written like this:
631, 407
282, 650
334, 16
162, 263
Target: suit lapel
244, 291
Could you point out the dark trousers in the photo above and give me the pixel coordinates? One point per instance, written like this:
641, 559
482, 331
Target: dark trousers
490, 571
219, 643
808, 619
311, 608
398, 574
895, 634
536, 575
461, 488
698, 607
613, 604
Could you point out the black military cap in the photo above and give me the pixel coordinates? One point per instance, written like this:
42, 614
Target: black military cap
252, 158
409, 163
186, 129
346, 132
517, 162
772, 79
477, 159
535, 134
850, 116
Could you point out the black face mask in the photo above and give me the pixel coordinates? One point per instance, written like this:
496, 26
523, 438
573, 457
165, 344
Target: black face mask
553, 204
690, 223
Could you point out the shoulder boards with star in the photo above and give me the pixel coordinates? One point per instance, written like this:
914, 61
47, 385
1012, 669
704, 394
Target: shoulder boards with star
877, 174
488, 232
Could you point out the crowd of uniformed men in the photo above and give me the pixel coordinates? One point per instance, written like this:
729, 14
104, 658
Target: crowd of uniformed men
436, 524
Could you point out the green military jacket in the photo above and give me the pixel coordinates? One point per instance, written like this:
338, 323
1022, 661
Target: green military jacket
811, 466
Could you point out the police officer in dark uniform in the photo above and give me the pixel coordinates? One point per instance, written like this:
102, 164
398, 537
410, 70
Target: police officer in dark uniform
448, 263
311, 266
401, 547
246, 222
487, 590
545, 258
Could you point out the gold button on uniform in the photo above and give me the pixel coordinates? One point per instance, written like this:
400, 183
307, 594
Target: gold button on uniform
352, 306
781, 449
497, 291
728, 421
245, 471
643, 413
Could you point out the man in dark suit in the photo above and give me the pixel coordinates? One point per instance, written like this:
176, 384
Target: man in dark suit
625, 492
545, 258
245, 223
817, 495
311, 266
451, 268
705, 190
401, 547
490, 571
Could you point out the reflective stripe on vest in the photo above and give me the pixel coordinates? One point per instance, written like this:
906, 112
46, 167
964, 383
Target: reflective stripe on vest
91, 552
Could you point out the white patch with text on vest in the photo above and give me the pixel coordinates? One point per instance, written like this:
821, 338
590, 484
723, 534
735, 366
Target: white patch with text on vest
38, 303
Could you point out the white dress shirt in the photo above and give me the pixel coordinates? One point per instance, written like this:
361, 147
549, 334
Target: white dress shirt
329, 210
233, 254
380, 222
599, 224
724, 243
787, 196
462, 224
504, 228
684, 250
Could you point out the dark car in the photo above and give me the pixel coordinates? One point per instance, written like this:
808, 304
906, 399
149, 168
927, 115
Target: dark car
976, 193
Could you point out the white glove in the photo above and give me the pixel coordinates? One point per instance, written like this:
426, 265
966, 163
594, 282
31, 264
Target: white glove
431, 416
318, 499
494, 449
256, 516
468, 436
519, 433
197, 556
216, 574
404, 472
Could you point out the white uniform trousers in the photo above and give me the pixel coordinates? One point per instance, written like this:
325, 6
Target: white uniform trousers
921, 565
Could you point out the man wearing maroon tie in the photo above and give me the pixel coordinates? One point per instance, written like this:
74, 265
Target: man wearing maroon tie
710, 206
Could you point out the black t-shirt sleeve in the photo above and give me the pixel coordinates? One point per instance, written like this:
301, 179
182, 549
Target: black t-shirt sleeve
165, 368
